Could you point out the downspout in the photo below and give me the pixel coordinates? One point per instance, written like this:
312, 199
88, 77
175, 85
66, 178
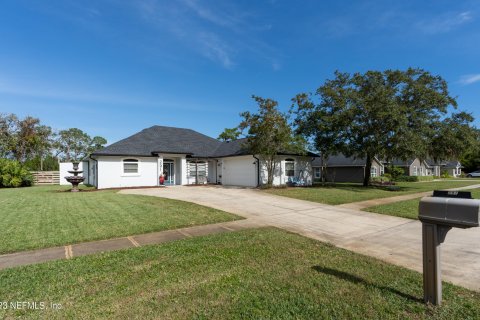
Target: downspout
258, 170
96, 171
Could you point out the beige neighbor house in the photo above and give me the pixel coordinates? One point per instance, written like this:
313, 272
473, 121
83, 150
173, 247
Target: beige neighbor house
413, 167
346, 169
417, 167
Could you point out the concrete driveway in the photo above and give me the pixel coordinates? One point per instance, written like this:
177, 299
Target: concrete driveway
392, 239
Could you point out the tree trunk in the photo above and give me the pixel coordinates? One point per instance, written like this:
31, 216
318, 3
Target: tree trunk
323, 170
368, 167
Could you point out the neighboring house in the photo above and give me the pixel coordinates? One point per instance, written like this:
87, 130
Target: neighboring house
185, 157
346, 169
453, 168
433, 168
428, 167
412, 167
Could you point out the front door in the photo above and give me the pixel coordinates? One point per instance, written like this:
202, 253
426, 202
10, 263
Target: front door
168, 171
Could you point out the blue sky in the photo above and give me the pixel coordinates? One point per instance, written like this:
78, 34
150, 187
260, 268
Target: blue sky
113, 67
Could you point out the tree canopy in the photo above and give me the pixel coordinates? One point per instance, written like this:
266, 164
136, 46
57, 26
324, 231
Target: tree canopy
390, 114
269, 134
31, 143
74, 145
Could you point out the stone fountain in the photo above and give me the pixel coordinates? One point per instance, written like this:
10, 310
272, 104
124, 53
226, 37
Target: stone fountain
75, 180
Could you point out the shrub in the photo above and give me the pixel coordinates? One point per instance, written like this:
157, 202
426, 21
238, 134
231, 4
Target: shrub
444, 174
14, 175
407, 178
425, 178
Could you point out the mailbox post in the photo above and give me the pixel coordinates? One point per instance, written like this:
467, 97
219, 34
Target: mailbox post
438, 214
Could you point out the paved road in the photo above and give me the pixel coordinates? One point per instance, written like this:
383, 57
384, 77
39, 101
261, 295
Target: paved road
392, 239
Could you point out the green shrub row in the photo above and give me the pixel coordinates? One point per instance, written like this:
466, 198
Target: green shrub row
414, 178
14, 175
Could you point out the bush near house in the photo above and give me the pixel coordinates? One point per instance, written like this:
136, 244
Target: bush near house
414, 178
13, 174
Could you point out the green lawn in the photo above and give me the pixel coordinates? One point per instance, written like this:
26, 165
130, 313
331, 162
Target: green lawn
251, 274
408, 208
38, 217
351, 192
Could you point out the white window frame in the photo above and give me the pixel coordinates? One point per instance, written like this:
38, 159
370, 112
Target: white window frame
317, 173
415, 171
290, 161
130, 161
382, 170
373, 172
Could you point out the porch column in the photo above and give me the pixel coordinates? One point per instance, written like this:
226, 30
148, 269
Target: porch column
159, 168
183, 170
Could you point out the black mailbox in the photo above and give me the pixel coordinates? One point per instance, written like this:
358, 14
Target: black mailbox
446, 209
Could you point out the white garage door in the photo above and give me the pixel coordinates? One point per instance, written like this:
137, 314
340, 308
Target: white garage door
239, 171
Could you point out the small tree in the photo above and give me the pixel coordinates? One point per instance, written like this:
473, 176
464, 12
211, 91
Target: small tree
269, 134
74, 144
229, 134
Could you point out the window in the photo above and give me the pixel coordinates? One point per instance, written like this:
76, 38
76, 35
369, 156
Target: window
373, 171
415, 171
382, 170
317, 172
130, 166
201, 166
290, 167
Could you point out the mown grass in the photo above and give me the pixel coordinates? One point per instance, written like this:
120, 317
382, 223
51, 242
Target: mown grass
408, 208
38, 217
252, 274
351, 192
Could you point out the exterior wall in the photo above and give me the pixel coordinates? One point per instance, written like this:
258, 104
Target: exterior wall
239, 171
421, 168
345, 174
68, 166
110, 172
212, 171
303, 172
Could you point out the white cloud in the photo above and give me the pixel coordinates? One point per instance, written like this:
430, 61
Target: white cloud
445, 23
469, 78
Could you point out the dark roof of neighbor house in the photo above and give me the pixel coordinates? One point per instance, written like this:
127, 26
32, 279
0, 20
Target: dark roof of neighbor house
401, 163
161, 139
340, 160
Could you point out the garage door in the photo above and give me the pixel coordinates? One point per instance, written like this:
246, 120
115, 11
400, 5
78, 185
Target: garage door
239, 171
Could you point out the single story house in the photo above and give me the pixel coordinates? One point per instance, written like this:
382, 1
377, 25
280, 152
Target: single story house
412, 167
184, 156
453, 168
429, 167
340, 168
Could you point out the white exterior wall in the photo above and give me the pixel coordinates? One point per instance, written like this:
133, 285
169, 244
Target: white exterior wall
68, 166
110, 172
303, 171
239, 171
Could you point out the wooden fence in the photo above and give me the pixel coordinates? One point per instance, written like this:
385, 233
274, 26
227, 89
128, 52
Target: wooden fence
46, 177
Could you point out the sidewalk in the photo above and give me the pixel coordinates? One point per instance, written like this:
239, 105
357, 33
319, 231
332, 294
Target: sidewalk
86, 248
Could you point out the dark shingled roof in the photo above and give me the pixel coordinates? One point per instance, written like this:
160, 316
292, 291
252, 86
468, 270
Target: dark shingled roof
340, 161
231, 148
160, 139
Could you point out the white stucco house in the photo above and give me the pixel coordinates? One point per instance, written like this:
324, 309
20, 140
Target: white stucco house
184, 157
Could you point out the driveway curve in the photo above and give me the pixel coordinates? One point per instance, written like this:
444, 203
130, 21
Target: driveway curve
391, 239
